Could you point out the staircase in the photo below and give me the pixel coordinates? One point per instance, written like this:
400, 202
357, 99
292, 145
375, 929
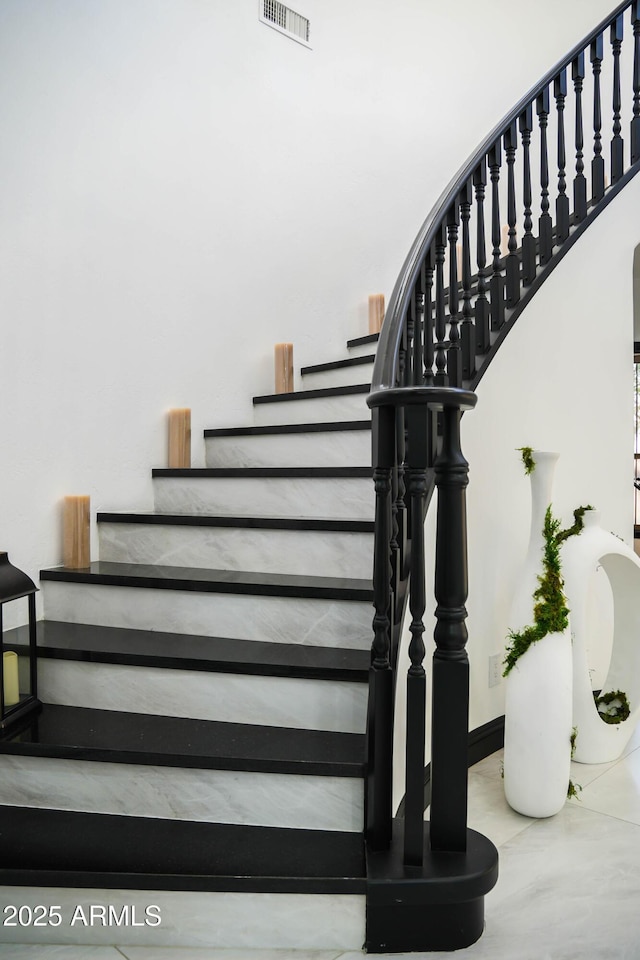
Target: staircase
205, 694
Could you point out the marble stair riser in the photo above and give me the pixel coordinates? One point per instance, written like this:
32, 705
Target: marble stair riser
316, 553
216, 796
362, 349
313, 410
194, 919
349, 498
348, 448
338, 706
323, 623
338, 377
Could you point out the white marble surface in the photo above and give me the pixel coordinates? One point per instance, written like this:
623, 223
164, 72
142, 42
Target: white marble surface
323, 623
568, 889
24, 951
311, 552
271, 701
153, 953
360, 373
316, 410
322, 449
349, 498
239, 921
174, 793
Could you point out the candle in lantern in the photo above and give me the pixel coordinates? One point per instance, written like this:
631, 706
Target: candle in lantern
76, 551
283, 353
11, 685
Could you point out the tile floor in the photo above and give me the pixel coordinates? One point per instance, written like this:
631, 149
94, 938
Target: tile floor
569, 886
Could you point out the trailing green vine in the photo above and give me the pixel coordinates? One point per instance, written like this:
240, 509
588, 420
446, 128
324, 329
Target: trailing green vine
613, 707
550, 612
527, 459
578, 524
574, 788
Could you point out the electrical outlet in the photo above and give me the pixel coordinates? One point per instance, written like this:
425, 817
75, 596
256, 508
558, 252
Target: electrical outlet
495, 669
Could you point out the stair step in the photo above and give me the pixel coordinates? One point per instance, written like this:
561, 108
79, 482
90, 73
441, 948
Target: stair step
363, 345
320, 622
316, 492
80, 733
322, 547
309, 406
68, 849
338, 373
109, 761
338, 443
203, 580
148, 648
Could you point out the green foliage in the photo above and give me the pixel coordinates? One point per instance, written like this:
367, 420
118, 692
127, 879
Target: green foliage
550, 612
574, 790
572, 740
527, 459
613, 707
578, 524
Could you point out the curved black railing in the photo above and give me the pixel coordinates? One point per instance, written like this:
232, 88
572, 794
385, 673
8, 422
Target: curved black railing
444, 322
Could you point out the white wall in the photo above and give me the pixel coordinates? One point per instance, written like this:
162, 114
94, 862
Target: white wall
181, 187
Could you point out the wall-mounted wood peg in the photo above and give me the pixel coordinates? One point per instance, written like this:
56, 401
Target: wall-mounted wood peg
76, 552
283, 362
376, 312
179, 457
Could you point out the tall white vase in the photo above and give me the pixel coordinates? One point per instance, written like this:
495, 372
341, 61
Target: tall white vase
537, 737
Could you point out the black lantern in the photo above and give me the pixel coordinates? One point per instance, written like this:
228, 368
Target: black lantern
18, 675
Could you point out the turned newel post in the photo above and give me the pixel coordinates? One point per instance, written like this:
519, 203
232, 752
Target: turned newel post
450, 705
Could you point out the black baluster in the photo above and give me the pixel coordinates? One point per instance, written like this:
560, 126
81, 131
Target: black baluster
416, 680
597, 164
513, 261
482, 304
545, 223
580, 181
496, 283
380, 726
441, 379
617, 143
400, 505
413, 322
428, 267
450, 704
528, 239
562, 200
467, 330
454, 355
635, 121
418, 296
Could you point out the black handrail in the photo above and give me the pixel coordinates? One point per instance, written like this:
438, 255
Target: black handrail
387, 355
444, 323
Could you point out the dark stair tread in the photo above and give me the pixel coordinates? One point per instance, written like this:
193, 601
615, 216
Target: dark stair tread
81, 733
64, 848
309, 473
333, 426
338, 364
150, 648
202, 580
254, 523
370, 338
314, 394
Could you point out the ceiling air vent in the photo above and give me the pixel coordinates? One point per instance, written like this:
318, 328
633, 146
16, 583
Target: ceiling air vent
285, 20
